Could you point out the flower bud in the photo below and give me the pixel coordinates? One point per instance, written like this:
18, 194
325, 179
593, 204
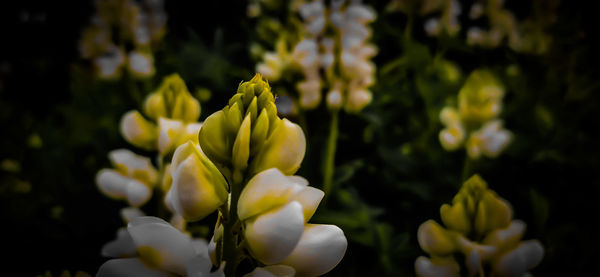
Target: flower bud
198, 187
358, 98
284, 149
456, 218
492, 213
241, 145
138, 131
172, 100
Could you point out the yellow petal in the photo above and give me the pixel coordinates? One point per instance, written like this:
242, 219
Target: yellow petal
284, 150
434, 239
138, 131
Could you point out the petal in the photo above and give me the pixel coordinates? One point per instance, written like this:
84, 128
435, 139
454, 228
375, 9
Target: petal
198, 188
134, 166
267, 190
111, 183
169, 131
272, 236
129, 213
129, 267
137, 193
506, 237
121, 247
138, 131
443, 267
434, 239
319, 250
272, 271
198, 266
516, 262
310, 198
284, 149
160, 244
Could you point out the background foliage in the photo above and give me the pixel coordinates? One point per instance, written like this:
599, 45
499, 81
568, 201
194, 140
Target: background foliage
59, 122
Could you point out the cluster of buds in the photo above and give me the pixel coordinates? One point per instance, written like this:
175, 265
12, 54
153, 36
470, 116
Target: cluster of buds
332, 54
135, 25
476, 122
448, 22
480, 226
172, 114
242, 167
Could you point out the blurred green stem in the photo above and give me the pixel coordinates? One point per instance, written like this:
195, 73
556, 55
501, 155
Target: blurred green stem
329, 161
467, 169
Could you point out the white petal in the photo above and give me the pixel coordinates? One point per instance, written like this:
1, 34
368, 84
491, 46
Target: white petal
111, 183
168, 133
272, 271
128, 268
137, 193
122, 246
129, 213
272, 236
161, 244
426, 268
516, 262
320, 249
267, 190
133, 165
198, 266
309, 198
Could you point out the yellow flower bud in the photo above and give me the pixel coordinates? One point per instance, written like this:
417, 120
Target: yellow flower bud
214, 139
284, 149
493, 212
172, 100
198, 187
241, 146
456, 218
138, 131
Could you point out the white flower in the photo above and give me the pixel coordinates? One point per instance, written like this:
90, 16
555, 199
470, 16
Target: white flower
162, 251
490, 140
110, 63
141, 64
274, 209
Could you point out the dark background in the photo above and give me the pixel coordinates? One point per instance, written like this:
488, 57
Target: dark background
54, 218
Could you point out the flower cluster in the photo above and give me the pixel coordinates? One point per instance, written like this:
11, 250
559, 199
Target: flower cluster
332, 54
119, 25
134, 177
479, 104
527, 36
480, 226
242, 167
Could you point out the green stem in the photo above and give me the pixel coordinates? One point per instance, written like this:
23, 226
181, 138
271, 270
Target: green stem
329, 161
231, 229
467, 169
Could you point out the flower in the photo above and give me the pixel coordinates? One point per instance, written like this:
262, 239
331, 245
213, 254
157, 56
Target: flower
132, 179
198, 187
275, 209
475, 125
162, 250
479, 224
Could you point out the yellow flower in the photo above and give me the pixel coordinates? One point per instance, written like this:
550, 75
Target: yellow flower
247, 133
480, 227
172, 100
138, 131
480, 99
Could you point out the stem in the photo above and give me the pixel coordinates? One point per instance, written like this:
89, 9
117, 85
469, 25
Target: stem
329, 161
467, 169
231, 252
